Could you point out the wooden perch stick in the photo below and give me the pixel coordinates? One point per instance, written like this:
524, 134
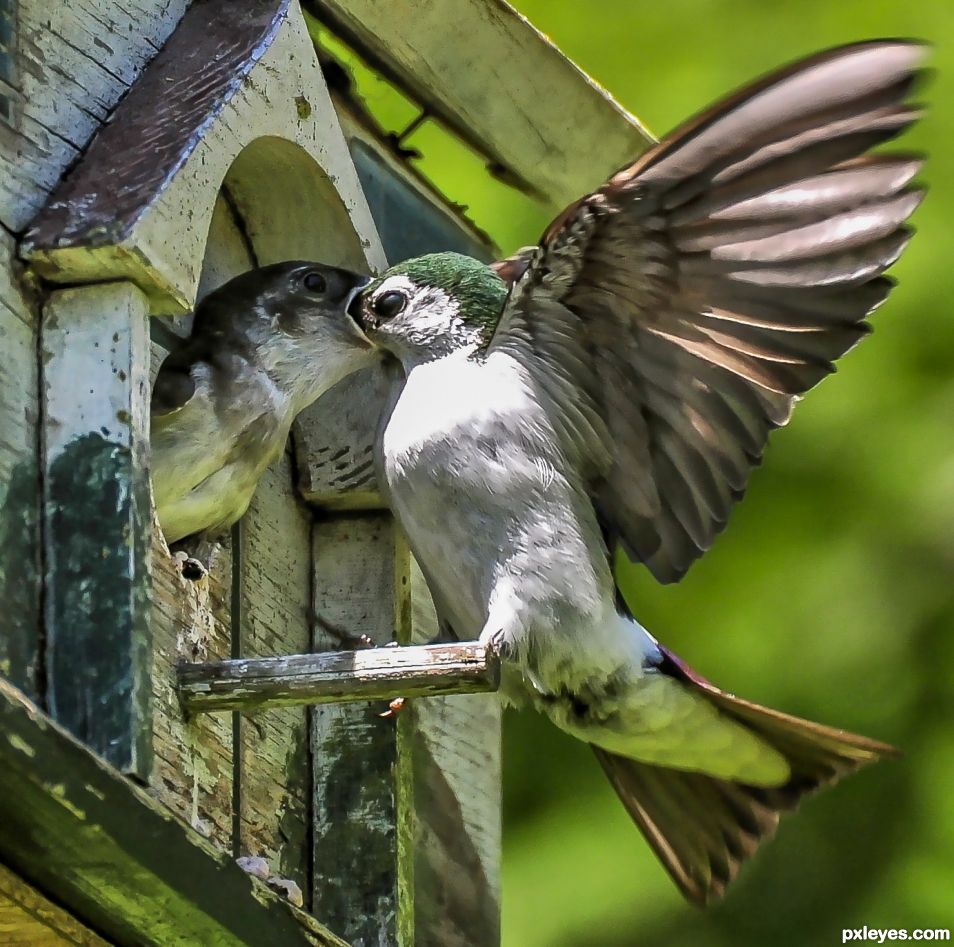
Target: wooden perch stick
245, 684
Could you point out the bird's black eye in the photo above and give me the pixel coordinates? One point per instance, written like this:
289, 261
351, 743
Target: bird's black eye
315, 282
389, 304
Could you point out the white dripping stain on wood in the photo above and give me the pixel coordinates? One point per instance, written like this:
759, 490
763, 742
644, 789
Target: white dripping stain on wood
192, 773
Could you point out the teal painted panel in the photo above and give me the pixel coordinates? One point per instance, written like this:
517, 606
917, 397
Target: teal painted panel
408, 225
8, 20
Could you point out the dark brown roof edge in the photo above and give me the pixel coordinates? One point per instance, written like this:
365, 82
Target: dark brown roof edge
158, 124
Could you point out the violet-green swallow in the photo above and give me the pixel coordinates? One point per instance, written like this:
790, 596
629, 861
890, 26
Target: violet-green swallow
263, 347
613, 388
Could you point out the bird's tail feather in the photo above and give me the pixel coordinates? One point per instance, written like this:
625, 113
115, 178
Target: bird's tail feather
704, 828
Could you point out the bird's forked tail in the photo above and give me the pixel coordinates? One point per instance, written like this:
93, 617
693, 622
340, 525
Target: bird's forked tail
703, 828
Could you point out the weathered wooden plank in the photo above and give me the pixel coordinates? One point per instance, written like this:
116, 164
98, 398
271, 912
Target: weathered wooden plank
19, 478
449, 809
194, 771
275, 768
116, 859
536, 120
235, 91
28, 919
192, 774
70, 65
95, 346
361, 585
249, 684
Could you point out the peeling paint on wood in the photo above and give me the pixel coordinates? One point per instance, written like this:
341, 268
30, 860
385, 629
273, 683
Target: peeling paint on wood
252, 684
19, 479
360, 585
96, 518
171, 143
276, 604
193, 762
335, 443
194, 771
62, 94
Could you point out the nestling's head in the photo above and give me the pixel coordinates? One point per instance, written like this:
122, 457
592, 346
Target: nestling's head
427, 307
292, 320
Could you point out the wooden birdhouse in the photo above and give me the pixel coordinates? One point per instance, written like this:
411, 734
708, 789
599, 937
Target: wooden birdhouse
149, 151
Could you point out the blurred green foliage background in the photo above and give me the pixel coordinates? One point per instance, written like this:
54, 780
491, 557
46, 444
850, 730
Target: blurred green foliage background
831, 595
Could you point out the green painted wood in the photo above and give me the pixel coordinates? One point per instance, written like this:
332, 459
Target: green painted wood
95, 345
19, 480
360, 582
115, 858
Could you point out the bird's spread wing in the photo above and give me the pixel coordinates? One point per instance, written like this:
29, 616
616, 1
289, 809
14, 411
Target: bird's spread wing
675, 315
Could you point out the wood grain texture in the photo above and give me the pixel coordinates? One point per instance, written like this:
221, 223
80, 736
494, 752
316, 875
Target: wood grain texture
95, 347
250, 684
19, 477
62, 93
360, 585
28, 919
276, 603
220, 101
536, 120
192, 773
116, 859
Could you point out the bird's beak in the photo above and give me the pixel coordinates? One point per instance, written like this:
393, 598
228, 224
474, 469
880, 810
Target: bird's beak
354, 307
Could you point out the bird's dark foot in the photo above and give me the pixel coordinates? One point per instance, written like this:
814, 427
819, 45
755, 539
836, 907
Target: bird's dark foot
394, 708
348, 641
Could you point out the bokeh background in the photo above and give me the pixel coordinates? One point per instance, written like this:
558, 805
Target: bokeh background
831, 595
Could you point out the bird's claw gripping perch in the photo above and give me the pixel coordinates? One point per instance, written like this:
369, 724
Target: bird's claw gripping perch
394, 708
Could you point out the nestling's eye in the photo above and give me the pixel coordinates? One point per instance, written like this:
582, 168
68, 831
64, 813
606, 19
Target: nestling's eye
389, 304
315, 282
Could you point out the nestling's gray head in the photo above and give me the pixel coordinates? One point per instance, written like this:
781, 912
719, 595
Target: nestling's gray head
424, 308
290, 319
